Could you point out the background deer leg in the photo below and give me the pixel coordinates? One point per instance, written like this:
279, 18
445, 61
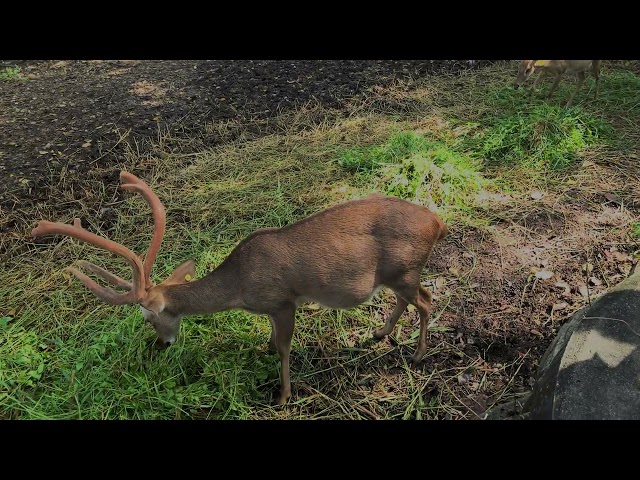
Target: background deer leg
538, 79
284, 320
554, 86
595, 69
401, 306
581, 77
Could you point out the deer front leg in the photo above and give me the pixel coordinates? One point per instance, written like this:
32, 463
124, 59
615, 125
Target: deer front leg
538, 79
284, 322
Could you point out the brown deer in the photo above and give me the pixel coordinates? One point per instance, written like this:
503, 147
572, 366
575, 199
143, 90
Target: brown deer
338, 257
557, 68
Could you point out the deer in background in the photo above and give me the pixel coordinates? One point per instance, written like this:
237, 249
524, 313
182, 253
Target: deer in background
557, 68
338, 258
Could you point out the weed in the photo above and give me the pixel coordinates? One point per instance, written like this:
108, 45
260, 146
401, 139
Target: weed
11, 74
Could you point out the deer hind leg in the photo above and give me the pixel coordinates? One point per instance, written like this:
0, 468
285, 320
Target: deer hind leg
283, 323
581, 77
424, 308
401, 306
413, 293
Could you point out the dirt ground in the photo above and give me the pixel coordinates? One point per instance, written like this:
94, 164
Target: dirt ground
76, 119
78, 116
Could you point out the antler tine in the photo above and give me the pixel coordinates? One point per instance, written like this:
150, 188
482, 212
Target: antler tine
137, 290
114, 280
135, 184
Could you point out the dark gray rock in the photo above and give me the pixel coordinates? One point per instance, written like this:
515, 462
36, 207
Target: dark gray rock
592, 368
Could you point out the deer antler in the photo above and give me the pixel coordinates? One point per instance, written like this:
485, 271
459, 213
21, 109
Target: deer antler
141, 271
137, 290
159, 219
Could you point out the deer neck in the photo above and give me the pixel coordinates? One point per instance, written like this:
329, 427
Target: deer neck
216, 292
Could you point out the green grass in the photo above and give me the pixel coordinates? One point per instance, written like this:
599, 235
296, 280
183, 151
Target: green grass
64, 354
411, 166
544, 137
11, 74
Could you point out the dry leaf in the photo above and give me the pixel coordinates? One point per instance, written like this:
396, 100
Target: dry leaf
467, 255
544, 274
476, 403
584, 291
440, 282
565, 285
11, 313
454, 271
313, 306
621, 256
536, 195
611, 197
587, 163
87, 144
43, 152
536, 332
595, 281
587, 267
560, 306
411, 308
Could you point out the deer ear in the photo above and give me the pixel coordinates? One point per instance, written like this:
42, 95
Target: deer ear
183, 273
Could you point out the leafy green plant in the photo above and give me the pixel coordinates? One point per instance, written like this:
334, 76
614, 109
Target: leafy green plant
11, 73
412, 166
545, 137
369, 159
22, 357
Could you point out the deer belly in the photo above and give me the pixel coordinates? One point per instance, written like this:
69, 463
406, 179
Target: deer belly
338, 299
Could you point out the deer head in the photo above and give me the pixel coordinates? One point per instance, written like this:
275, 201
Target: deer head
525, 70
141, 290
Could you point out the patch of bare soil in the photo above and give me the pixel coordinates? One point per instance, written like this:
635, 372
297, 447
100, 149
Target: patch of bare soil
75, 119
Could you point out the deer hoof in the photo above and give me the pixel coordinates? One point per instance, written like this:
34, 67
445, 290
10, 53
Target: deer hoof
379, 334
416, 359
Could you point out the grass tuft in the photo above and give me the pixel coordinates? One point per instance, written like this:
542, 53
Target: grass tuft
544, 137
11, 74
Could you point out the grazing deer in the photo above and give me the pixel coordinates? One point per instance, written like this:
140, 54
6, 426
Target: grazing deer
557, 68
338, 257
